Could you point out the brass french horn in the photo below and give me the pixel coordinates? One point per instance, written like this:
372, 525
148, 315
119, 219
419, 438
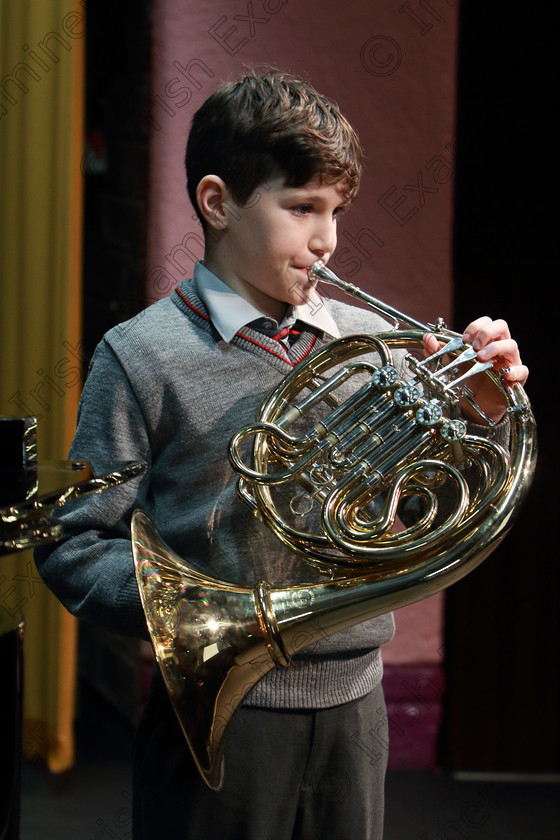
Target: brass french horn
398, 441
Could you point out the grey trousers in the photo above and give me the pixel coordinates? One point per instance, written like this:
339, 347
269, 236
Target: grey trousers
289, 775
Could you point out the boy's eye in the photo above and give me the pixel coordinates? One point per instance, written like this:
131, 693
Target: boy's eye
304, 209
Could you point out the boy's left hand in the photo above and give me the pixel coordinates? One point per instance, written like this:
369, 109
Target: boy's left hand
492, 340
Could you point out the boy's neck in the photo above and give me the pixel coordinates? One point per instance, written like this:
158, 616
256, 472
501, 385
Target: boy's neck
270, 307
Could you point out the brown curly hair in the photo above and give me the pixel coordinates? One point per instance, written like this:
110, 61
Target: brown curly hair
271, 125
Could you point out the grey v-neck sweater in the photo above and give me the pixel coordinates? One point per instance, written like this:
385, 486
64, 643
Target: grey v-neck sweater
166, 389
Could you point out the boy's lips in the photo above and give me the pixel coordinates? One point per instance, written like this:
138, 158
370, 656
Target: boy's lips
305, 269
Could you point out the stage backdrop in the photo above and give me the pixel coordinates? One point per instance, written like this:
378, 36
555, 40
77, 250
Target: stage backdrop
41, 135
391, 66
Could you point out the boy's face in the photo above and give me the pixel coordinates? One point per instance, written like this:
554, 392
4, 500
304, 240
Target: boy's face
270, 244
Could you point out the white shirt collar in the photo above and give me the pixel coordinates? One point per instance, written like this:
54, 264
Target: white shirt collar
229, 312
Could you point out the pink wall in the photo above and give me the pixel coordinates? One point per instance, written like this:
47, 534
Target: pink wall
391, 67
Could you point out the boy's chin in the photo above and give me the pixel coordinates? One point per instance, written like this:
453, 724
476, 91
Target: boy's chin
303, 294
301, 299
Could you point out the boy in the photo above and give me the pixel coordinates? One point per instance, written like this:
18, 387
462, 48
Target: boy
270, 165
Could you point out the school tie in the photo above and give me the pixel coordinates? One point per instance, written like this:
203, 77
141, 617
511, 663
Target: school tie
285, 335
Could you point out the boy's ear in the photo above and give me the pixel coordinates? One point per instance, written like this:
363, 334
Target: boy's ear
213, 197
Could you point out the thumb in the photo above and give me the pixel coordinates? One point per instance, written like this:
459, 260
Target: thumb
431, 344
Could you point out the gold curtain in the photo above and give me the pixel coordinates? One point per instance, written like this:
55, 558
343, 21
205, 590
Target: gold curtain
42, 46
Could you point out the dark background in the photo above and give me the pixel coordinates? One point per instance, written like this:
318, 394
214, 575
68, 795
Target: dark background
502, 625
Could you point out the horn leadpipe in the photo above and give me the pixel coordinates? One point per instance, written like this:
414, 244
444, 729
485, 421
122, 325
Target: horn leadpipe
320, 272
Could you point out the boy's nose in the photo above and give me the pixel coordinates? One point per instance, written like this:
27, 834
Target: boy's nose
323, 239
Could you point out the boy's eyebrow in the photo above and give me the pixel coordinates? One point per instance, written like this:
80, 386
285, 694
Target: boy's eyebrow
300, 194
